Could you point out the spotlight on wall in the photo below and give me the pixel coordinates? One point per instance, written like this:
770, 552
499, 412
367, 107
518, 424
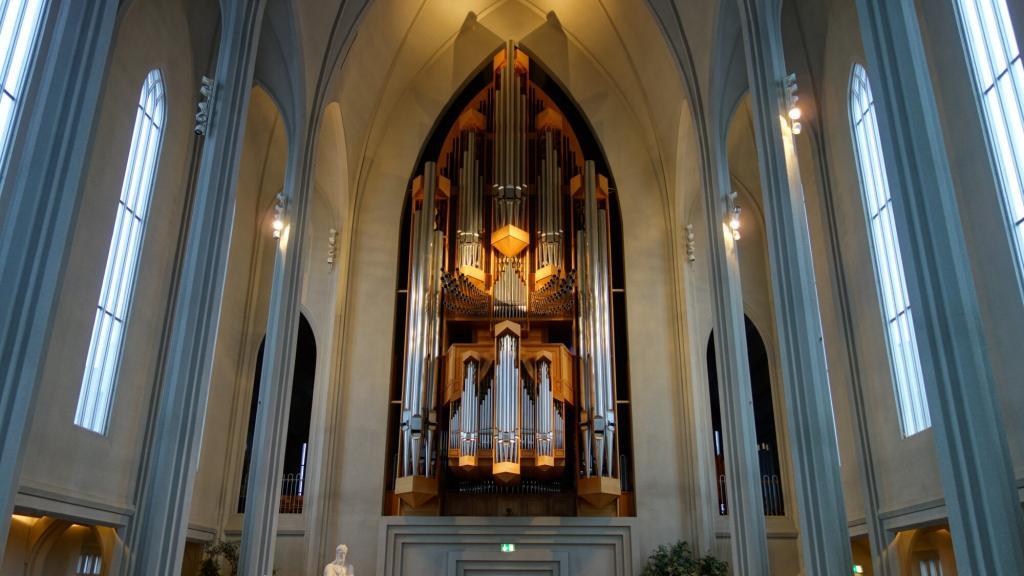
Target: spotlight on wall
734, 216
794, 111
278, 223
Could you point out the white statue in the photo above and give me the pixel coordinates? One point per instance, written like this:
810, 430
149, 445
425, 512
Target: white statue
338, 567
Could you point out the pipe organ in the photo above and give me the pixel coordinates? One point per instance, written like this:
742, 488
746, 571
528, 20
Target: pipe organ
508, 357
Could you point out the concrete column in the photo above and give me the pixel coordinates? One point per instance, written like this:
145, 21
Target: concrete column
749, 537
263, 492
157, 534
824, 537
975, 465
39, 202
859, 409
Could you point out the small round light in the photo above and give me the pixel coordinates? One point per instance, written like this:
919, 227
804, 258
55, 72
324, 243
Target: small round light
795, 113
278, 225
734, 223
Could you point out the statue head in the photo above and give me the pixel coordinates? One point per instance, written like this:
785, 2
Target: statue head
340, 553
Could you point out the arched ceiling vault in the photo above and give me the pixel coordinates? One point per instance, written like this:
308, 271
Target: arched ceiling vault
397, 41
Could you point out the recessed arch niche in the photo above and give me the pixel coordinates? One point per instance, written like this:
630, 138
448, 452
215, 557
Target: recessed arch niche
509, 392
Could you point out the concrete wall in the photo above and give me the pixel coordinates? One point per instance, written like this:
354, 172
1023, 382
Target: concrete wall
405, 64
66, 465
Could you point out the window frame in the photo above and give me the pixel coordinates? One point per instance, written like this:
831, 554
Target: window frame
124, 256
887, 262
1013, 218
22, 77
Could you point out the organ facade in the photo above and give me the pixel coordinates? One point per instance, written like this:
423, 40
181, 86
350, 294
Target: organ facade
506, 399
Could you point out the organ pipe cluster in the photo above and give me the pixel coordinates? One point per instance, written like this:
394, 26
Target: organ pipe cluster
527, 389
423, 343
597, 382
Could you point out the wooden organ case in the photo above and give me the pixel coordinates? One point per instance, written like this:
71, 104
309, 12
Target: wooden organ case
509, 393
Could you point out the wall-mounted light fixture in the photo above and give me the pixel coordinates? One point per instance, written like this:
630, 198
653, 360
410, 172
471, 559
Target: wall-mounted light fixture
332, 246
279, 207
205, 106
794, 111
734, 216
691, 244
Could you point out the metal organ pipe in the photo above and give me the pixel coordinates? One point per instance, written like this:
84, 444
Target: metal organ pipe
544, 409
422, 326
595, 332
470, 205
549, 228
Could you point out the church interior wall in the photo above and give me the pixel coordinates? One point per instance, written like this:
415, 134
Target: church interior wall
989, 251
402, 69
894, 455
243, 317
989, 248
93, 471
370, 310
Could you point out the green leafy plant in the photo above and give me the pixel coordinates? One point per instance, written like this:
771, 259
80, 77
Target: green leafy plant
216, 552
209, 568
679, 560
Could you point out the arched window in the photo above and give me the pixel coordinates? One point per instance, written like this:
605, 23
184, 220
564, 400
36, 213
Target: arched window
885, 251
19, 24
97, 393
999, 83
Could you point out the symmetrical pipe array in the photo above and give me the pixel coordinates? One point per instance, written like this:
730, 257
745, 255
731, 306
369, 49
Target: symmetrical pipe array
597, 416
423, 327
507, 408
468, 429
510, 203
549, 207
511, 387
510, 290
545, 410
510, 127
471, 205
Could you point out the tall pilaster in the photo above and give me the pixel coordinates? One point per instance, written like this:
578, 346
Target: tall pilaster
748, 535
974, 462
263, 492
824, 536
41, 196
157, 536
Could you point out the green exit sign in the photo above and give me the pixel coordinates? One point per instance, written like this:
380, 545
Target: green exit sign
858, 569
508, 547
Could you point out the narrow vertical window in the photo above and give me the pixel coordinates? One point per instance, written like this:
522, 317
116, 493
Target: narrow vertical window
19, 25
103, 361
998, 75
888, 264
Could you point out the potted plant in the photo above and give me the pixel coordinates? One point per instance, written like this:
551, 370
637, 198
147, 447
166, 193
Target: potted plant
679, 560
217, 552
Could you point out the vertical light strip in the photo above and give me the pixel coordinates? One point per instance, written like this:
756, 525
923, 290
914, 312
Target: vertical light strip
998, 74
97, 393
19, 26
885, 250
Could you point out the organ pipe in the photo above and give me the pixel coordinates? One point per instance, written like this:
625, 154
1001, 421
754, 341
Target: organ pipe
422, 327
514, 339
598, 402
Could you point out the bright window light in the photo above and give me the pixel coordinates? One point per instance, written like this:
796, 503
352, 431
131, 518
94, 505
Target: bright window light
999, 83
19, 26
885, 250
97, 394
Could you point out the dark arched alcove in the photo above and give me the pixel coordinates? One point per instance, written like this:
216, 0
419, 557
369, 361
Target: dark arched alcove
296, 442
764, 421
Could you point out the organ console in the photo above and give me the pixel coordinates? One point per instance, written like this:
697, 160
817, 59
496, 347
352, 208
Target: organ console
508, 361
